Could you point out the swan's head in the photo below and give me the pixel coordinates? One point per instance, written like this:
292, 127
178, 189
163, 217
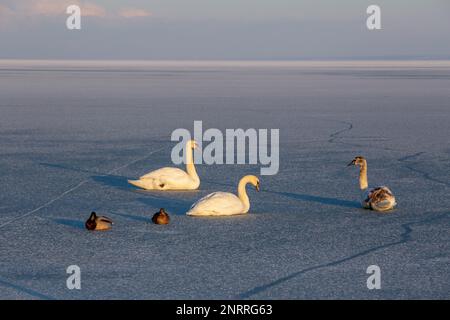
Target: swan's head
192, 144
254, 181
358, 161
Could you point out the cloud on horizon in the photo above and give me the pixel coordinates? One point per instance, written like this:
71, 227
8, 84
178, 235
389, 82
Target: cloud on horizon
134, 13
4, 10
51, 8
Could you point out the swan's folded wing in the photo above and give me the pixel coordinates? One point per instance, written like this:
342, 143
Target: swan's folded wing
165, 173
217, 202
378, 195
382, 205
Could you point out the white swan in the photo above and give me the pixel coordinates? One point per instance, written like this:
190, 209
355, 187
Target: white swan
224, 203
172, 178
378, 199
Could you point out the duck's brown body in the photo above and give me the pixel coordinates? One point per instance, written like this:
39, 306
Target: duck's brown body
95, 223
161, 217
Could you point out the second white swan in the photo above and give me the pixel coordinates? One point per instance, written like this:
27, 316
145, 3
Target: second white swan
225, 203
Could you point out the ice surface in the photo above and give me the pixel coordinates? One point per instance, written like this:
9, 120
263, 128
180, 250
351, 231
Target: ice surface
72, 134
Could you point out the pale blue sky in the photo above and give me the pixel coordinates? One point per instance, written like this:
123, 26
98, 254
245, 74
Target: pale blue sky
226, 29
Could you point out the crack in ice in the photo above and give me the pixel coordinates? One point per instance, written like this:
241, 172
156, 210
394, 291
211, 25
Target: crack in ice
404, 237
80, 184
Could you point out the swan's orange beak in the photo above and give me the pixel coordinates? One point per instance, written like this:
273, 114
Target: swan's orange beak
257, 186
352, 163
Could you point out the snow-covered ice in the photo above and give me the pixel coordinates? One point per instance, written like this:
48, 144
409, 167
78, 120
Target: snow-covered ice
71, 134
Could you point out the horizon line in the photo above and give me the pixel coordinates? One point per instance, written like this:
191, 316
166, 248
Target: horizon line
59, 63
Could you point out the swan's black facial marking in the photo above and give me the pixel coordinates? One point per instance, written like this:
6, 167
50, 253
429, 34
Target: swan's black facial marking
359, 160
162, 185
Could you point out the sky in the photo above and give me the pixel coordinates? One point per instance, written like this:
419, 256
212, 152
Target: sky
225, 30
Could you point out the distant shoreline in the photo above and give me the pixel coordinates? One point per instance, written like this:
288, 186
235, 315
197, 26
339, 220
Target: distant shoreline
7, 63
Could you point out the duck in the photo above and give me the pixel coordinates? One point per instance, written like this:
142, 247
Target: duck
96, 223
169, 178
161, 217
225, 203
377, 199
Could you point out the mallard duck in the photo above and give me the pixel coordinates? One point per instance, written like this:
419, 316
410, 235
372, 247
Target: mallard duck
161, 217
98, 223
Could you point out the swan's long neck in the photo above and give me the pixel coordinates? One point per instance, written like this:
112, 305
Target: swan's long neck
242, 194
363, 185
190, 167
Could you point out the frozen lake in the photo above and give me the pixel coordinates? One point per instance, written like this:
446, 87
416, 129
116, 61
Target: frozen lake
72, 133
